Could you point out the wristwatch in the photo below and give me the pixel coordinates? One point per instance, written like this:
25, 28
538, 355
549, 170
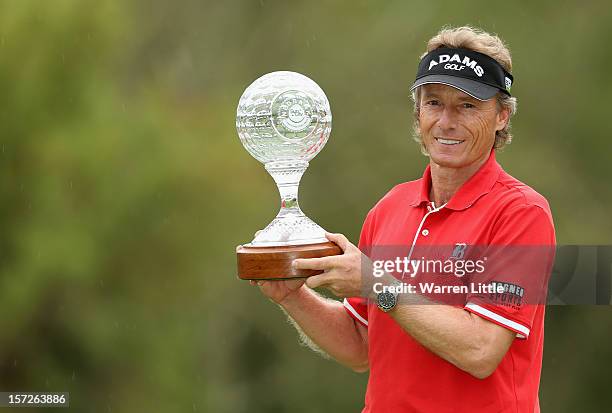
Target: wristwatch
386, 300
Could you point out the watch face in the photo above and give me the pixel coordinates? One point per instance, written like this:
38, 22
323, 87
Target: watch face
386, 301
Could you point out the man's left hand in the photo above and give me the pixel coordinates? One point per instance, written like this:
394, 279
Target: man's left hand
341, 273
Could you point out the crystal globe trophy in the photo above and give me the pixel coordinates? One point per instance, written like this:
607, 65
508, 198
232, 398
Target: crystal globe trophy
284, 120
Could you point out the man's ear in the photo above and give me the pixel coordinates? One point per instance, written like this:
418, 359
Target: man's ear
503, 117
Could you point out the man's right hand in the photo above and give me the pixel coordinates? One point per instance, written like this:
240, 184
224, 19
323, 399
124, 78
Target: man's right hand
279, 290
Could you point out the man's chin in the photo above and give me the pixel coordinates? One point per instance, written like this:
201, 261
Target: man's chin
448, 160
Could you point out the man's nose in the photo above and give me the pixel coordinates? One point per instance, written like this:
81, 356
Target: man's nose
448, 118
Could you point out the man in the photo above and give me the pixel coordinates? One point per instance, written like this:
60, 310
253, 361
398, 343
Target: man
483, 355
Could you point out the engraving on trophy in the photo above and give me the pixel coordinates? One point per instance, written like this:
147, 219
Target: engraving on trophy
293, 115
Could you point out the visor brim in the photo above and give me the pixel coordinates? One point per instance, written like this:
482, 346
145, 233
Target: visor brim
473, 88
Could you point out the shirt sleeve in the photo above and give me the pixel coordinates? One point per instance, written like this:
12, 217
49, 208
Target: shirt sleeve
519, 261
357, 307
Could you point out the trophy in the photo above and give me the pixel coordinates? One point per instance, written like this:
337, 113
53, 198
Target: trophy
283, 120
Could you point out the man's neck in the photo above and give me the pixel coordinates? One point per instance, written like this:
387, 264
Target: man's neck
445, 181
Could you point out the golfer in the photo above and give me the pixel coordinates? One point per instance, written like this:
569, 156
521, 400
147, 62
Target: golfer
484, 355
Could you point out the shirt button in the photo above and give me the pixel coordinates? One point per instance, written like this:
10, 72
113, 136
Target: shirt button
425, 232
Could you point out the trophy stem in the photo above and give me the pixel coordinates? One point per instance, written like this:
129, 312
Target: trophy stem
287, 175
290, 226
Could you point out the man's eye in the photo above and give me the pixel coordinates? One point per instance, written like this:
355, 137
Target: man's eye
467, 105
432, 102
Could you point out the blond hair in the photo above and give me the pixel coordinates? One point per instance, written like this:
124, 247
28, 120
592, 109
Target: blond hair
467, 37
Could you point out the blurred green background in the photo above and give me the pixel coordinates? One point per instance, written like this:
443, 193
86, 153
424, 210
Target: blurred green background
124, 187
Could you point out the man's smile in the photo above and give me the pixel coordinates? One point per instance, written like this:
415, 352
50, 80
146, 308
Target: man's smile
447, 141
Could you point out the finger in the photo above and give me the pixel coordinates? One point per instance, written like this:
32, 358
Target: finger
317, 281
294, 284
323, 263
339, 240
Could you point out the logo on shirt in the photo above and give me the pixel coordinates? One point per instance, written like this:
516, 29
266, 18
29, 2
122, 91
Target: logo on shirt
512, 295
459, 251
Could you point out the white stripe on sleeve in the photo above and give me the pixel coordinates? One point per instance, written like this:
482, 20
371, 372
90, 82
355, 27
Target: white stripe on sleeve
521, 330
354, 312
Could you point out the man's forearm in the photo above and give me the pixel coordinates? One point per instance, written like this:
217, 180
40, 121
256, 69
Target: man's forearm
469, 342
446, 331
328, 325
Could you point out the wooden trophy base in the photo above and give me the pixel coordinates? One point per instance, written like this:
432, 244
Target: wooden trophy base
274, 263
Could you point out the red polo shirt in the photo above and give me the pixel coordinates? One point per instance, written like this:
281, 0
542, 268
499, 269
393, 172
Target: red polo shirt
491, 208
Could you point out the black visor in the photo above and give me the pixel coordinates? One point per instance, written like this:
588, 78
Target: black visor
474, 73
